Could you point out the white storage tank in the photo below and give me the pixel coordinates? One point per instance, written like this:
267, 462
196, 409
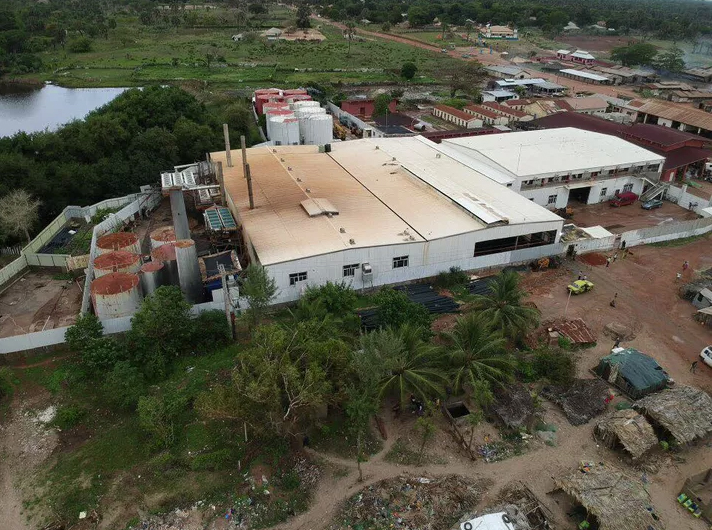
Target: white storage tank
152, 276
116, 295
117, 261
318, 130
303, 104
127, 241
284, 130
271, 114
163, 235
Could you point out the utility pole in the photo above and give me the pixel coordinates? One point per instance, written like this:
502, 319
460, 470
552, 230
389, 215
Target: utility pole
226, 299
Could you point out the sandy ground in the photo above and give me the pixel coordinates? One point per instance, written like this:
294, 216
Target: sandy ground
631, 217
37, 301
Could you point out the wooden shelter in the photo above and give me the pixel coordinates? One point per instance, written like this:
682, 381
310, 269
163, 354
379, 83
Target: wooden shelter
628, 429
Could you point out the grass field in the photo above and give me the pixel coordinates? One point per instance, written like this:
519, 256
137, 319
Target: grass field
135, 55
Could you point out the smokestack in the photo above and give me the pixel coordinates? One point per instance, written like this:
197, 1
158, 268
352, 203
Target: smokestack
221, 181
244, 155
228, 155
249, 186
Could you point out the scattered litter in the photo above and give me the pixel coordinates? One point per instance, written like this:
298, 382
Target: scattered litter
82, 515
47, 415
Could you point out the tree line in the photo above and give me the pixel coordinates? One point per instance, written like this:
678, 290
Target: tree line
117, 148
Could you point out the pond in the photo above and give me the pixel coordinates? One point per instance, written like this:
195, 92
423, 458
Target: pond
48, 107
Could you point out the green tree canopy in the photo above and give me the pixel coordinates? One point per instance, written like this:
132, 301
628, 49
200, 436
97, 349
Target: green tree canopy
634, 54
670, 60
408, 71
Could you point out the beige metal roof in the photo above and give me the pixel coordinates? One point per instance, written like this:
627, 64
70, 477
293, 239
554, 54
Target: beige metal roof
555, 151
386, 191
677, 112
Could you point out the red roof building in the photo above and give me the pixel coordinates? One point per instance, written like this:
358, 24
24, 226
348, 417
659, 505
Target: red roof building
487, 115
457, 116
363, 108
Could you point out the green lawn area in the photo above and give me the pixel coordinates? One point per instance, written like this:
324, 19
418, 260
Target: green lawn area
135, 55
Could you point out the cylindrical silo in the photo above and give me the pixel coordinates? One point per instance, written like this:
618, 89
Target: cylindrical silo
152, 276
116, 295
117, 261
127, 241
272, 113
166, 254
284, 130
297, 97
318, 129
294, 92
189, 277
161, 236
302, 104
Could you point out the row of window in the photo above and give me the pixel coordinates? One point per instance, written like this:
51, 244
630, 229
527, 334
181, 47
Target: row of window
604, 191
348, 270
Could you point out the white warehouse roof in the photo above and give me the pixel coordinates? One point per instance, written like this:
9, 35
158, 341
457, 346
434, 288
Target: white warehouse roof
584, 74
386, 191
553, 151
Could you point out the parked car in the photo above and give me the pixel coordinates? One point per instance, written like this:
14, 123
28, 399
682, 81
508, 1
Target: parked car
580, 286
651, 204
624, 199
706, 356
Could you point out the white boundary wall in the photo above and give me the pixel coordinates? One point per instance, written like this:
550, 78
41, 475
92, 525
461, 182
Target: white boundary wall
666, 232
684, 199
52, 337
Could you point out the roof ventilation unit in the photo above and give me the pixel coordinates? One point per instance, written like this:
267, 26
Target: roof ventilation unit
352, 241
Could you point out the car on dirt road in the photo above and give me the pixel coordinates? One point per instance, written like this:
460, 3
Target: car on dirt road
706, 356
623, 199
580, 286
651, 204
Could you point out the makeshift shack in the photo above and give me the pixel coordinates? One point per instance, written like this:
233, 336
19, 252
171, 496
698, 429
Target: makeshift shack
633, 372
698, 491
628, 429
615, 500
583, 400
702, 299
683, 412
514, 406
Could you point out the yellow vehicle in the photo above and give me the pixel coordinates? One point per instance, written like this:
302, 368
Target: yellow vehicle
580, 286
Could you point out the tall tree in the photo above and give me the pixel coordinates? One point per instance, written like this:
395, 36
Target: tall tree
303, 16
19, 213
467, 77
361, 406
478, 354
634, 54
503, 306
258, 288
670, 60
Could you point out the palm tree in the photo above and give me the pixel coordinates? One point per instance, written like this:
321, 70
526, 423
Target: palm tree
403, 363
478, 356
503, 306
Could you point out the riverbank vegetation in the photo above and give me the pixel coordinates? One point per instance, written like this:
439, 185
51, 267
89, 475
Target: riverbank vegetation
119, 147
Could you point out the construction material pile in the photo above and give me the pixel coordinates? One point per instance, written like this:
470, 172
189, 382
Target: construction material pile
411, 503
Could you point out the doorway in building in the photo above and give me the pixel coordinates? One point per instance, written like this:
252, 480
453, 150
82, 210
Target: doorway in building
580, 195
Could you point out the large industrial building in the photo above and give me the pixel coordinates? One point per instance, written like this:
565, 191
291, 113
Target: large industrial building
551, 167
378, 211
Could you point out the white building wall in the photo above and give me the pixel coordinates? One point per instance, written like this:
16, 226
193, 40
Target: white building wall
425, 259
541, 195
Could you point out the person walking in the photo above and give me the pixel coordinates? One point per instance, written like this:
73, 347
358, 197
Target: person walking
608, 261
580, 275
615, 256
693, 366
613, 302
685, 265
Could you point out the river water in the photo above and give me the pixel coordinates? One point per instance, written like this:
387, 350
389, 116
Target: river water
48, 107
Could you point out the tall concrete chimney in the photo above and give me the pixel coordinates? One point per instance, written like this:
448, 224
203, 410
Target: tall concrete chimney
228, 154
249, 186
191, 283
221, 181
244, 155
180, 217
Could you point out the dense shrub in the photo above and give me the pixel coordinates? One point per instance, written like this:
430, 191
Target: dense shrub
455, 277
337, 298
557, 366
396, 310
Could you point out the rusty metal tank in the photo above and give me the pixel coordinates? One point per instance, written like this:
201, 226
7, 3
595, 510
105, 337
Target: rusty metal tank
116, 294
127, 241
163, 235
117, 261
166, 254
152, 276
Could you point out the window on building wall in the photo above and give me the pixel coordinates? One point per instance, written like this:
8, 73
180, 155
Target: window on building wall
400, 261
628, 187
552, 199
611, 171
296, 277
594, 174
350, 270
604, 191
653, 167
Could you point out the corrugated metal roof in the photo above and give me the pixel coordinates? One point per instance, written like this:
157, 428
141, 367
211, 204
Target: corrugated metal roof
455, 112
584, 74
677, 112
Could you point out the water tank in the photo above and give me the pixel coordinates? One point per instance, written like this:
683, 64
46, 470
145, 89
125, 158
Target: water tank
166, 254
302, 104
294, 92
318, 129
261, 91
152, 276
191, 282
284, 130
117, 261
163, 235
127, 241
117, 294
271, 114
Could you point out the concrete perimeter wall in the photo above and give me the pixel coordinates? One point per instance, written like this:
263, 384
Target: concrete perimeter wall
666, 232
52, 337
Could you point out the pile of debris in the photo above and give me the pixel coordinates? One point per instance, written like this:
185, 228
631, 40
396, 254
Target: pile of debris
514, 406
575, 330
411, 503
583, 400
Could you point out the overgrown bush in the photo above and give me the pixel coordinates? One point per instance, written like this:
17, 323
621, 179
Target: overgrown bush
556, 366
6, 386
337, 298
85, 329
124, 385
79, 45
396, 310
210, 330
455, 277
213, 461
68, 416
158, 415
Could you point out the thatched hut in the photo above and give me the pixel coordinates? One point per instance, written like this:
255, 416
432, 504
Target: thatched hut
583, 400
513, 406
684, 412
617, 501
628, 429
